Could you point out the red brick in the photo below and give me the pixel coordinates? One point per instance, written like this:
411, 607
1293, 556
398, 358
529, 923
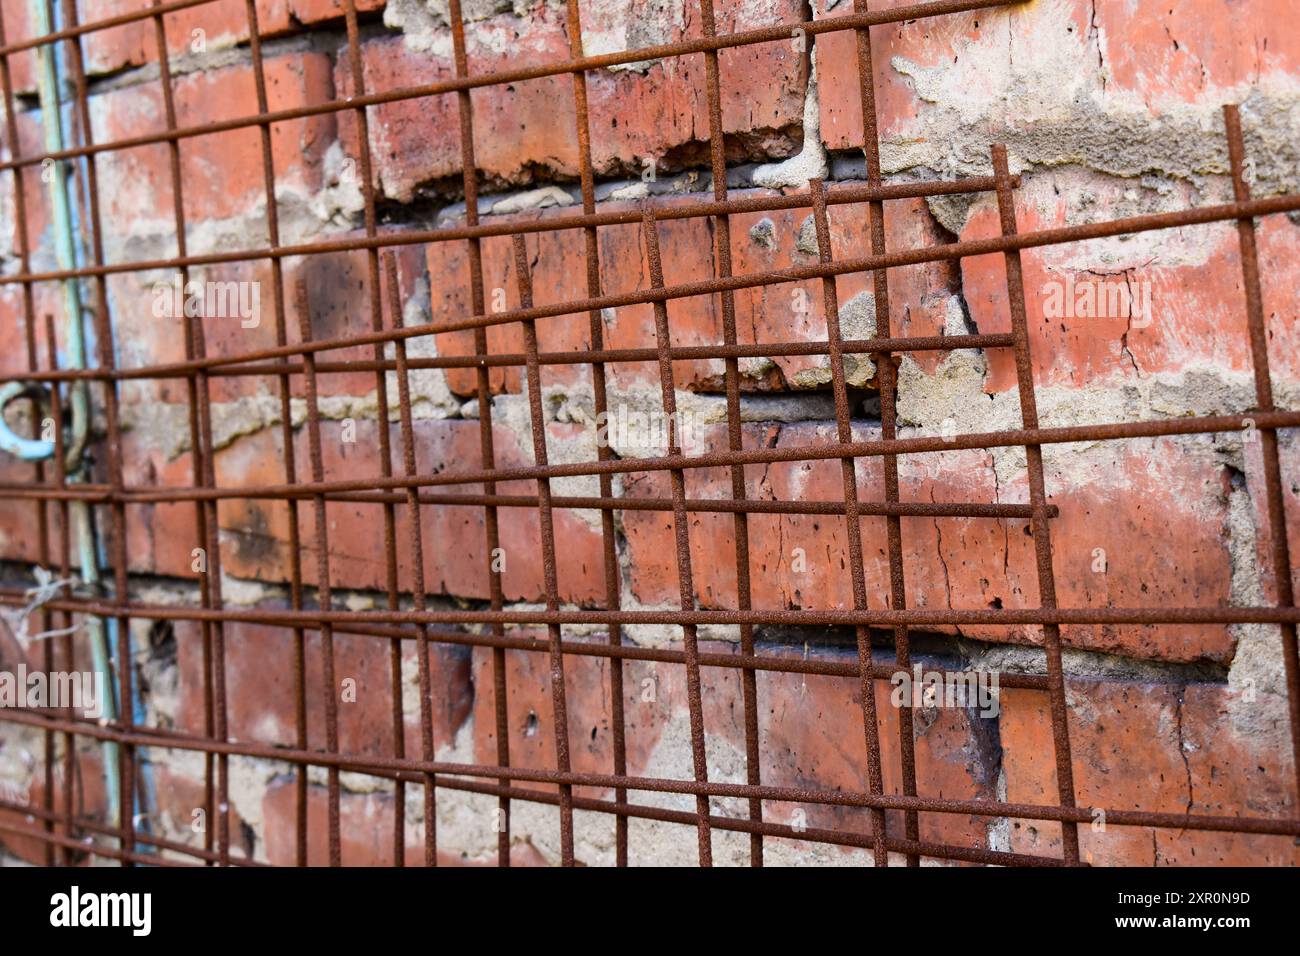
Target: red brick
762, 89
1289, 460
366, 827
318, 11
17, 28
813, 736
1168, 494
1158, 748
340, 299
177, 795
1279, 242
257, 531
531, 720
826, 583
19, 537
146, 339
366, 831
664, 113
559, 275
685, 248
261, 698
35, 192
340, 307
161, 536
1253, 777
90, 803
968, 563
775, 313
224, 24
1175, 53
1197, 299
1290, 466
46, 299
411, 140
930, 42
1162, 60
454, 543
455, 553
810, 735
919, 296
221, 172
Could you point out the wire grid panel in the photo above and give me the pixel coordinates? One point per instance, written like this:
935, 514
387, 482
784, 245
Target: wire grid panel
402, 493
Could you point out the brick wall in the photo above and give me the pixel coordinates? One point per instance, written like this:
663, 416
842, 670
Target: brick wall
1109, 109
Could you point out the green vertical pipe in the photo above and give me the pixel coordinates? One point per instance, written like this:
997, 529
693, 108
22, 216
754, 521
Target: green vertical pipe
76, 350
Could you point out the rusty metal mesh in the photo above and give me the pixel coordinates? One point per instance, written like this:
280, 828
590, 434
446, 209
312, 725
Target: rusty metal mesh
296, 367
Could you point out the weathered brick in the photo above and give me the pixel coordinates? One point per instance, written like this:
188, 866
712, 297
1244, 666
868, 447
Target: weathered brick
810, 735
160, 536
13, 322
222, 173
177, 796
320, 11
207, 28
455, 550
921, 297
662, 112
90, 803
559, 275
18, 527
1195, 748
366, 827
365, 830
636, 114
1253, 482
531, 719
408, 142
340, 300
930, 42
18, 27
1171, 56
203, 29
813, 736
1192, 280
1118, 54
760, 244
1290, 467
968, 563
35, 192
261, 701
146, 338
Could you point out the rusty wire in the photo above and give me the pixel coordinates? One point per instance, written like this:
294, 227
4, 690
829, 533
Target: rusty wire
491, 628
